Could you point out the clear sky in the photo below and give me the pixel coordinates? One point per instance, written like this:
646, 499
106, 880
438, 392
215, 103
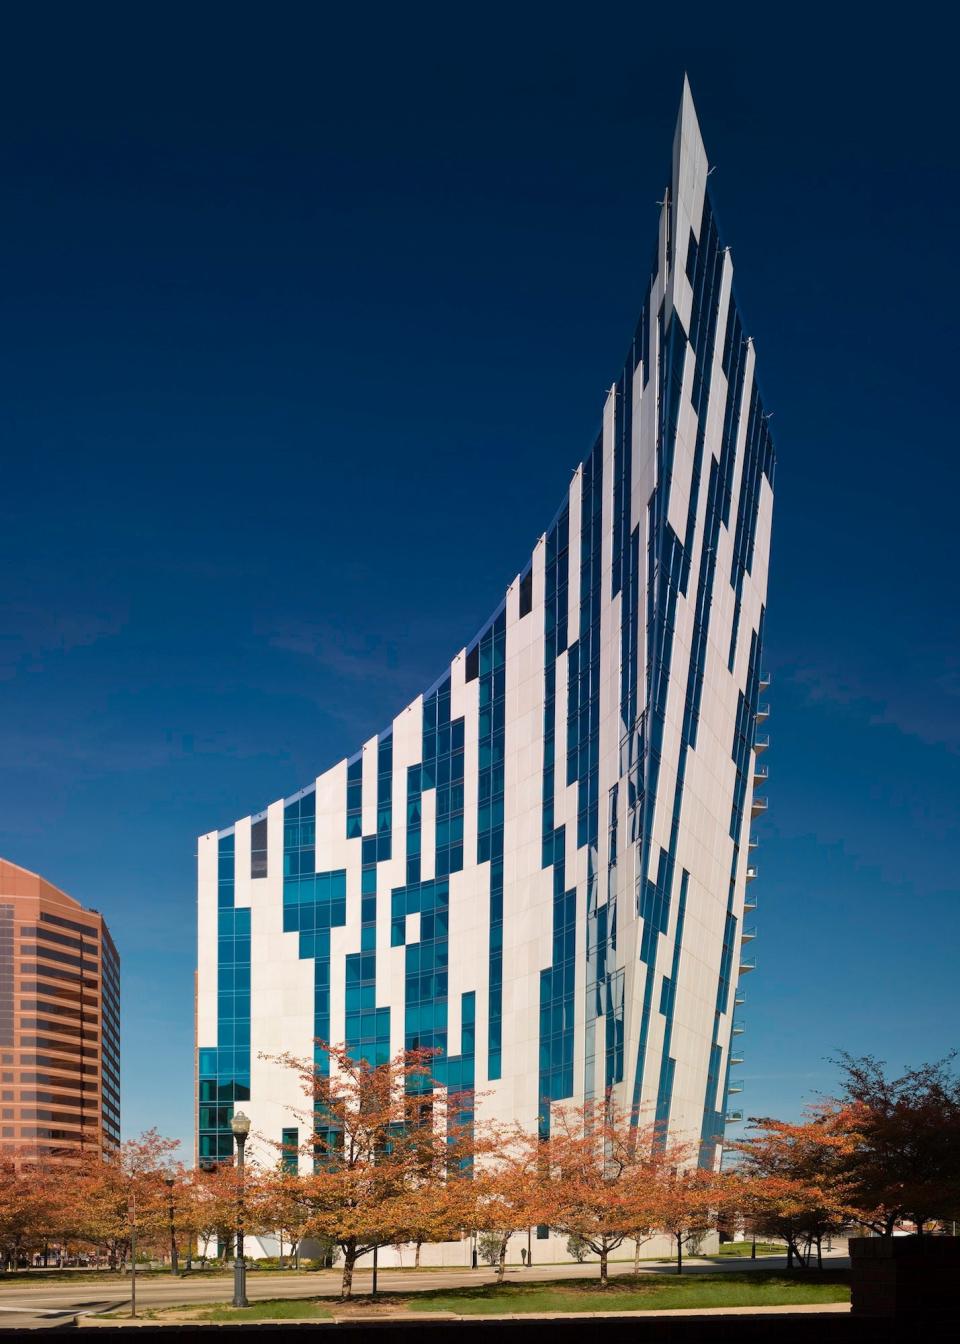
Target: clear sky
306, 320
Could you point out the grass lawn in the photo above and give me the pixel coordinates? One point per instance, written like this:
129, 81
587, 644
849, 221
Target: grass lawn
649, 1292
281, 1309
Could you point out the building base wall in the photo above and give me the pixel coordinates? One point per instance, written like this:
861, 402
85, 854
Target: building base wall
550, 1250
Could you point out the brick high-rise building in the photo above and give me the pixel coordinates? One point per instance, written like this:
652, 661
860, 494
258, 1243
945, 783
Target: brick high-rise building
59, 1021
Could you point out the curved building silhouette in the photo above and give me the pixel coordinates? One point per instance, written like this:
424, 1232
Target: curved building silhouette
541, 867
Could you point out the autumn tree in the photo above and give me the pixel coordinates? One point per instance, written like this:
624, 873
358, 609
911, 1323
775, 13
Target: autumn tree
375, 1130
689, 1198
109, 1200
283, 1206
510, 1189
903, 1162
790, 1180
602, 1178
215, 1199
438, 1210
27, 1206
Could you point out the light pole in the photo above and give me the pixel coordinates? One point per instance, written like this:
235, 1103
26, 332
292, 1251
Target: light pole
240, 1124
133, 1251
174, 1267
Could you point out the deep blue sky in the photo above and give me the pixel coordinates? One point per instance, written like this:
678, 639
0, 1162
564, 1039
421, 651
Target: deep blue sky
306, 322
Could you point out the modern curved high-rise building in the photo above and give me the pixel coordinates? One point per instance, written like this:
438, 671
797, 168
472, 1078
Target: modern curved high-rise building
541, 866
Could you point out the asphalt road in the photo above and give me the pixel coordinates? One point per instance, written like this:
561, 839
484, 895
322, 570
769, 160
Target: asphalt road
32, 1303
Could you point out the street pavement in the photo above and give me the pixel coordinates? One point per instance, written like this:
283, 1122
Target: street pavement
31, 1303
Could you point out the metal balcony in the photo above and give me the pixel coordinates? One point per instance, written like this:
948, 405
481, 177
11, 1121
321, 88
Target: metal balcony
763, 712
761, 773
753, 843
750, 902
739, 997
759, 805
733, 1117
752, 872
764, 682
760, 744
749, 934
747, 966
736, 1059
737, 1029
734, 1088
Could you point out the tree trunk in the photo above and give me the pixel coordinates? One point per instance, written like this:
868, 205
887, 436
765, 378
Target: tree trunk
603, 1267
819, 1253
349, 1260
280, 1250
416, 1258
789, 1253
501, 1259
679, 1253
636, 1257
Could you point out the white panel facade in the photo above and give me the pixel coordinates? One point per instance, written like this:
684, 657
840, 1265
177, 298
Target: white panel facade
539, 869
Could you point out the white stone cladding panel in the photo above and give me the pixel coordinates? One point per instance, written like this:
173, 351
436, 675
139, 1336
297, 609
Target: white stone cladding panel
282, 982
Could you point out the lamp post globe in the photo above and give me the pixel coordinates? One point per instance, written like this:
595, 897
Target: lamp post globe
240, 1124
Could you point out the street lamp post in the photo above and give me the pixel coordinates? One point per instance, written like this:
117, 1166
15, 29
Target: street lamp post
133, 1251
174, 1266
240, 1124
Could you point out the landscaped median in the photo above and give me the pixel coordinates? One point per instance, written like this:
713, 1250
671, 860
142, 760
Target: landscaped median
753, 1290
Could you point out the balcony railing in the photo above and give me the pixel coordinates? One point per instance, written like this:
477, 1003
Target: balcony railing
759, 805
749, 965
764, 682
749, 934
739, 997
753, 843
752, 872
736, 1059
761, 773
733, 1117
760, 744
750, 900
738, 1028
734, 1088
763, 712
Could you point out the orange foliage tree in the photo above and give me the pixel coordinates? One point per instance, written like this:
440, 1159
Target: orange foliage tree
791, 1180
378, 1134
28, 1207
111, 1200
282, 1206
689, 1198
601, 1170
216, 1194
510, 1191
